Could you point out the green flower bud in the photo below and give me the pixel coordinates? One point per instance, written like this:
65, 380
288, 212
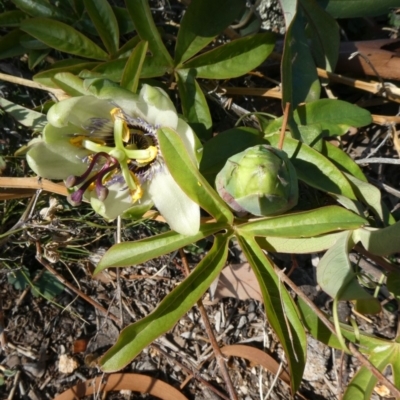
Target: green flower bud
260, 180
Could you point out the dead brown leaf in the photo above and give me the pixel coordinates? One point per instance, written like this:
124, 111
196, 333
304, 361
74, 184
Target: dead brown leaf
238, 280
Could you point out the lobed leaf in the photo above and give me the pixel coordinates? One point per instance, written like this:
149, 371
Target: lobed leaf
133, 253
304, 224
137, 336
313, 244
280, 309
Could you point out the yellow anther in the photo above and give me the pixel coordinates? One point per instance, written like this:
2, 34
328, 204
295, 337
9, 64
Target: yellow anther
136, 193
153, 154
78, 141
116, 113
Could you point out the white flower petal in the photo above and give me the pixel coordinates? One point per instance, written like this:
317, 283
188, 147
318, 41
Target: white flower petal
118, 200
78, 110
52, 165
189, 139
181, 213
57, 140
157, 107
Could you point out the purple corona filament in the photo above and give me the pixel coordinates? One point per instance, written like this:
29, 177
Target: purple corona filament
101, 190
77, 180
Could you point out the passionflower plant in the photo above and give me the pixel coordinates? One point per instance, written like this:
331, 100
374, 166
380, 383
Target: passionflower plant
106, 150
260, 180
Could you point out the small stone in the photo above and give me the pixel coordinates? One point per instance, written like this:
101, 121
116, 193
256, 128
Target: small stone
67, 364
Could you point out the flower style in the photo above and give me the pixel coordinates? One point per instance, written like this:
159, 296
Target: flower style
106, 149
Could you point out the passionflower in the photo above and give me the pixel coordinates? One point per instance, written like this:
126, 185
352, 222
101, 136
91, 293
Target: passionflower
260, 180
106, 150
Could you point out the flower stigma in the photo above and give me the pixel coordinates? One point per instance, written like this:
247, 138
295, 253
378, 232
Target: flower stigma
124, 150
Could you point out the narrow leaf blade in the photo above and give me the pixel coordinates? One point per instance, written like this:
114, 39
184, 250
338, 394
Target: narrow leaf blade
281, 311
132, 253
304, 224
233, 59
62, 37
105, 22
204, 20
137, 336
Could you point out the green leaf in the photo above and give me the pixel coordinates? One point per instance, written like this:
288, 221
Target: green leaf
125, 50
319, 331
31, 119
393, 284
133, 67
362, 385
368, 194
299, 75
324, 35
357, 8
380, 242
188, 177
324, 118
70, 83
125, 24
233, 59
315, 169
194, 104
132, 253
10, 44
287, 245
335, 273
42, 8
111, 70
280, 309
137, 336
142, 18
72, 66
19, 279
12, 19
105, 22
201, 23
47, 286
36, 57
342, 160
226, 144
334, 116
304, 224
62, 37
31, 43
